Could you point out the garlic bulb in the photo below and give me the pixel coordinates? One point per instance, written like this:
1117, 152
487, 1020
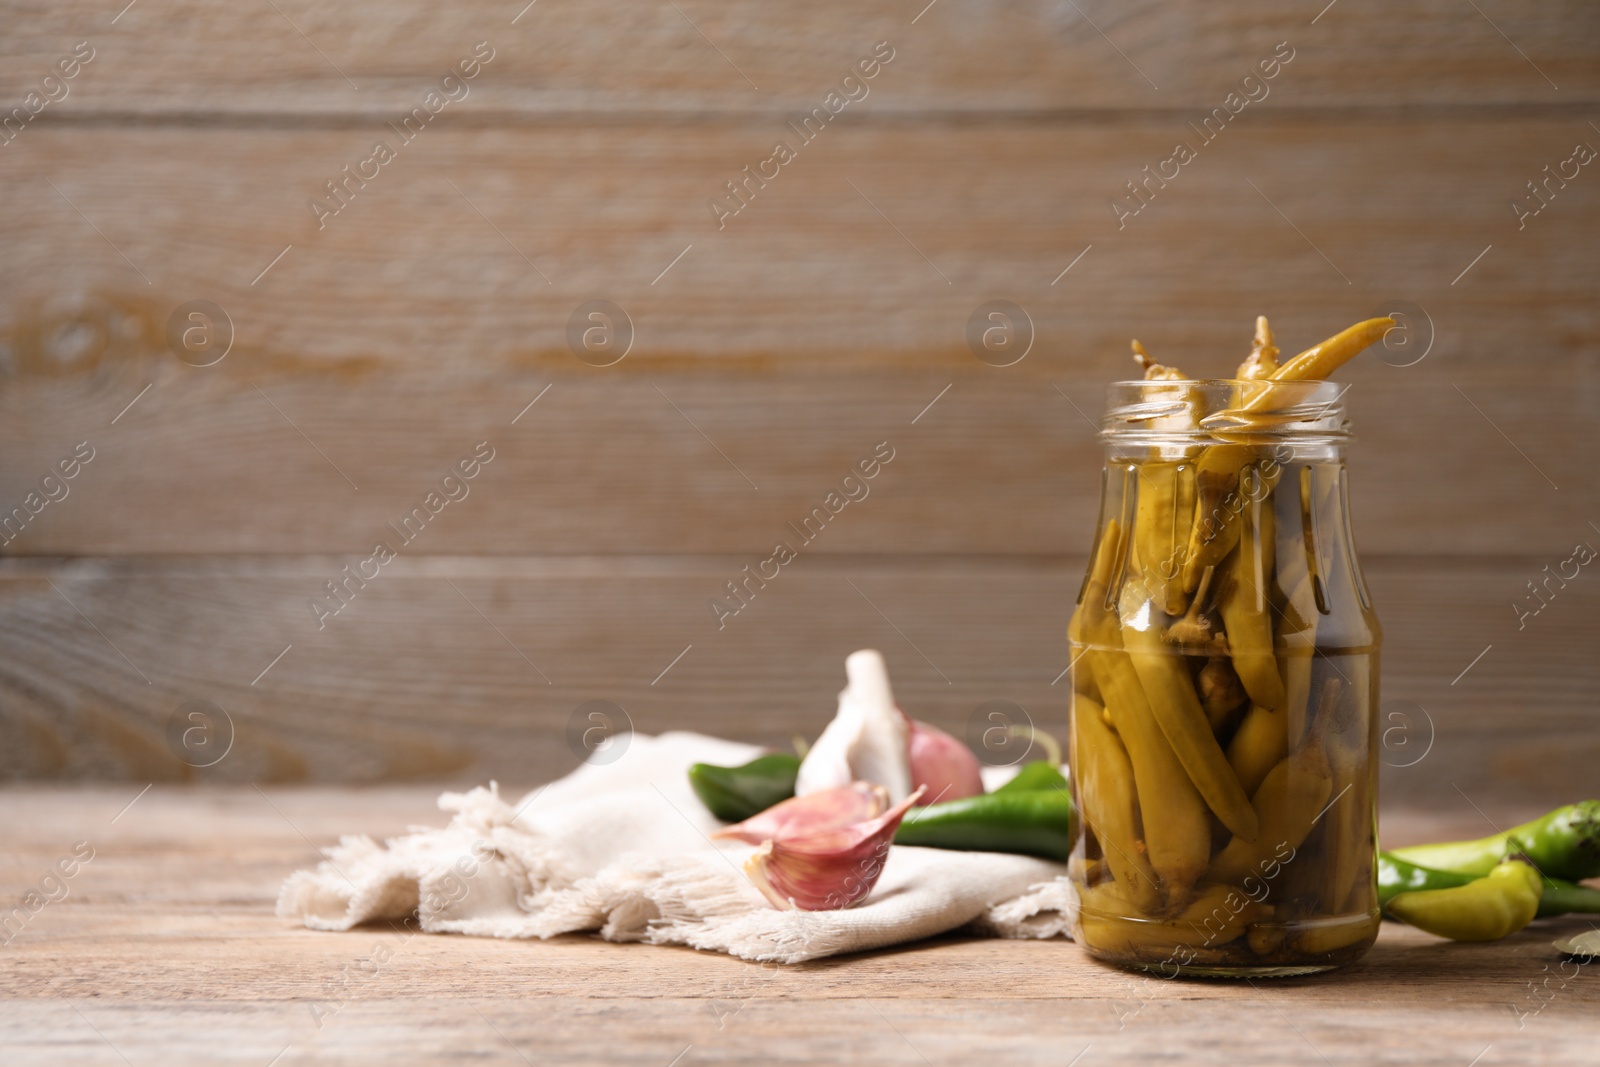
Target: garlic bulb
867, 739
943, 764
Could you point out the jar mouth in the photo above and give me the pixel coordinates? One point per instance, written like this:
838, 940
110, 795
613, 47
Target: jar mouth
1224, 409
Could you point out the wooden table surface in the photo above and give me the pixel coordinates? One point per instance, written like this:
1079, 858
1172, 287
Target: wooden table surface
165, 949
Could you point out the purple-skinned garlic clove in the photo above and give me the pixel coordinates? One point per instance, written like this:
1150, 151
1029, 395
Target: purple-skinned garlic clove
814, 813
830, 869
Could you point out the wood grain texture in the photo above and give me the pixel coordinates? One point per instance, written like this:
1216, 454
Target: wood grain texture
402, 338
1445, 461
371, 349
463, 669
472, 249
369, 57
165, 949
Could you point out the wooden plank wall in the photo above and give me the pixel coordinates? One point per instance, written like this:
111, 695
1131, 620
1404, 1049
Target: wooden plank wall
371, 348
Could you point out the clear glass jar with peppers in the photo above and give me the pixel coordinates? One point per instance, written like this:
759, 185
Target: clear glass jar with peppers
1223, 725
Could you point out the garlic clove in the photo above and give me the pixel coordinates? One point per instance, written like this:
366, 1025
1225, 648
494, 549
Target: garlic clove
943, 764
814, 813
867, 739
829, 870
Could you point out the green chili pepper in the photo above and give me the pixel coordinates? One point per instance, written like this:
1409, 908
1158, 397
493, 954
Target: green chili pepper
1559, 897
1396, 876
1562, 844
1567, 898
1032, 822
733, 794
1040, 774
1485, 909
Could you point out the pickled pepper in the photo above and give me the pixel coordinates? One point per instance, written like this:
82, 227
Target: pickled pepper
1228, 817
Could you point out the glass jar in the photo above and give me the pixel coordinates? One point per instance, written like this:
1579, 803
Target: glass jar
1224, 735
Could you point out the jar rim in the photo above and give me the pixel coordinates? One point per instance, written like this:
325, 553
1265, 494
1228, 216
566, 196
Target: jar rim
1189, 410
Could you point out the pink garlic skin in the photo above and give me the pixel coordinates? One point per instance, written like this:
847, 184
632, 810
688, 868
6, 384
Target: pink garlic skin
814, 813
943, 764
829, 870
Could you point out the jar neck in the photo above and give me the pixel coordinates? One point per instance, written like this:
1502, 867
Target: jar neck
1266, 457
1172, 418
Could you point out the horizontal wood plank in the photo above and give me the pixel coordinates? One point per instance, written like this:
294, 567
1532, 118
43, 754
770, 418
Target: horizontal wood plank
369, 58
1444, 461
853, 1030
473, 249
464, 669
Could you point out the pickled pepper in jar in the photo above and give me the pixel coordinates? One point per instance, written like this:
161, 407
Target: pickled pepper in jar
1224, 735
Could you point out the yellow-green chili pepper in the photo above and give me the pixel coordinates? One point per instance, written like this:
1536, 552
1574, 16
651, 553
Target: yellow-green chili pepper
1262, 362
1217, 916
1177, 831
1564, 843
1287, 805
1218, 502
1093, 622
1487, 909
1172, 698
1153, 371
1177, 827
1162, 518
1557, 896
1321, 360
1246, 608
1260, 742
1108, 805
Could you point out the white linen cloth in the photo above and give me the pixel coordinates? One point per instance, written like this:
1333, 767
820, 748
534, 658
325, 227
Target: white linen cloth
621, 848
